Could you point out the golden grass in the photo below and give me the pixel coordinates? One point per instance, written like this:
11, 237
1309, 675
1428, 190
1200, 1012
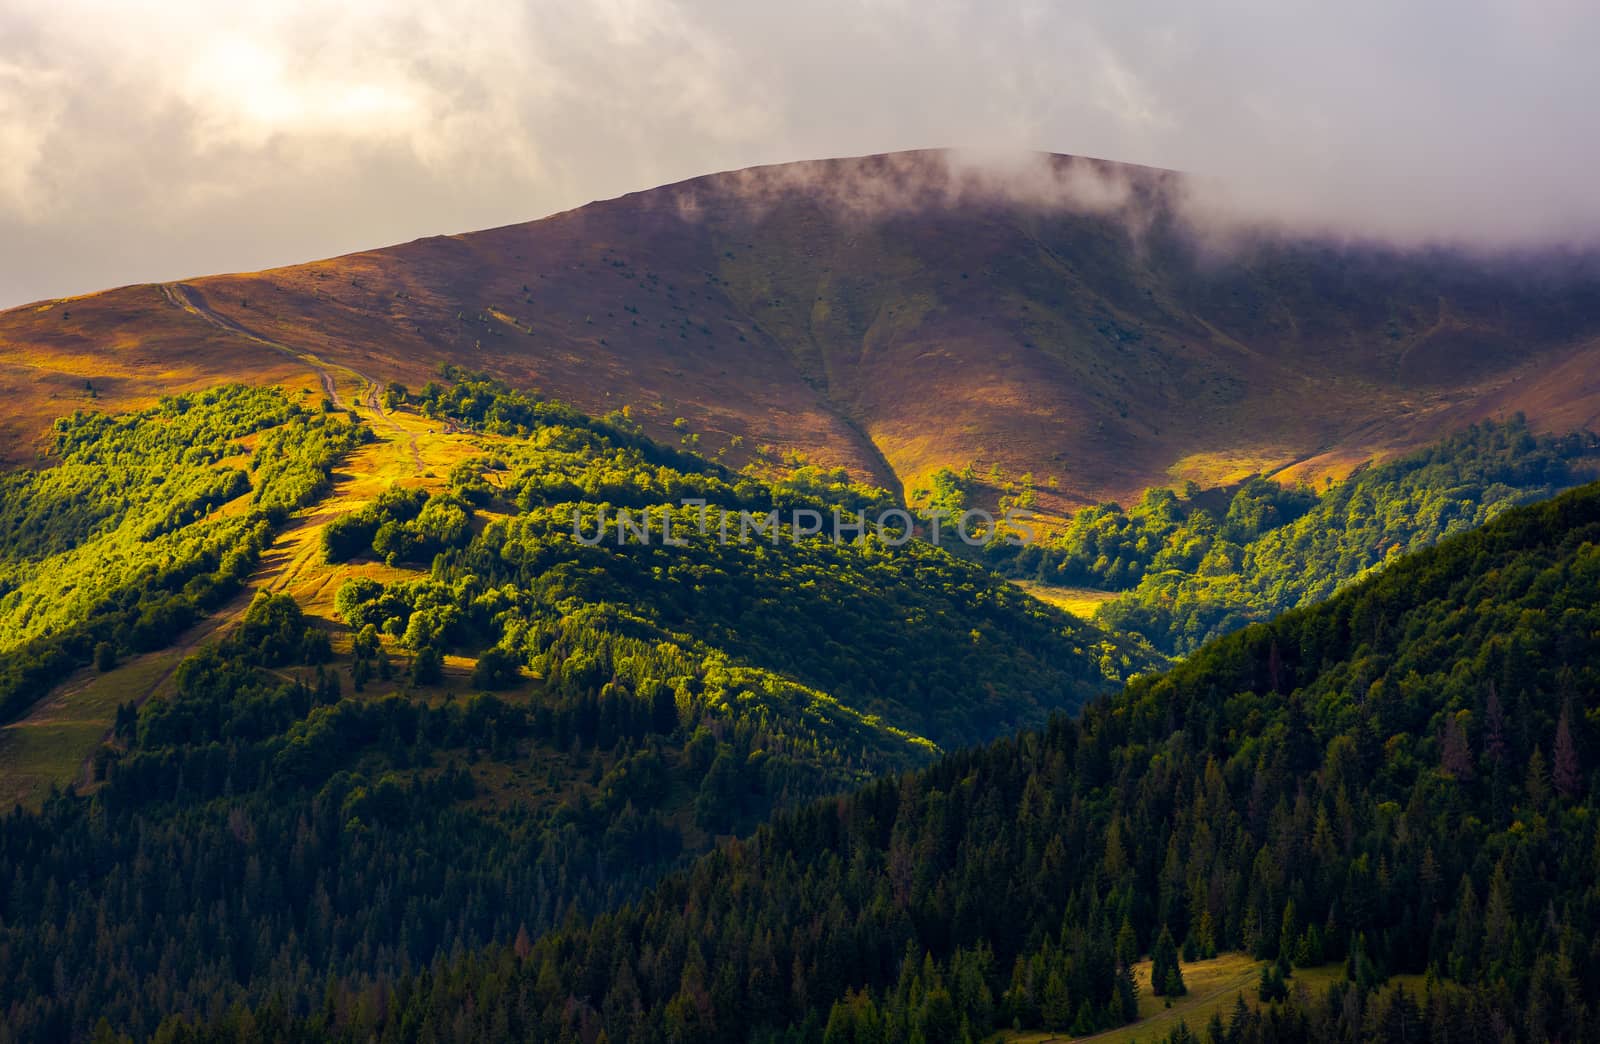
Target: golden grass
53, 742
1335, 465
1227, 467
1081, 602
1213, 986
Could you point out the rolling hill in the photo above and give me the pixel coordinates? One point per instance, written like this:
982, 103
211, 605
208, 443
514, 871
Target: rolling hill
894, 315
370, 647
1400, 780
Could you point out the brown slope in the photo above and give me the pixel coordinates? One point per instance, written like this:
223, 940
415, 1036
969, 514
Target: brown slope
893, 315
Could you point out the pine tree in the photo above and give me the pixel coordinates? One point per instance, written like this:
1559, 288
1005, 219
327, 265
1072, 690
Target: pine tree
1116, 861
1498, 915
1085, 1023
1127, 994
1398, 1017
1494, 734
1288, 933
1127, 942
1272, 987
1205, 936
1056, 1009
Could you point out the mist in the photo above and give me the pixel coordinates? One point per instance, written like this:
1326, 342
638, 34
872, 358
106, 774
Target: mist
157, 141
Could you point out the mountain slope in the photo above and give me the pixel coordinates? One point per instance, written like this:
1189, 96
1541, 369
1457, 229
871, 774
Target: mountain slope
491, 728
1401, 778
147, 522
893, 314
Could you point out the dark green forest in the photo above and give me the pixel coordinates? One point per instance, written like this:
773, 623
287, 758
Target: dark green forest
1401, 778
1200, 565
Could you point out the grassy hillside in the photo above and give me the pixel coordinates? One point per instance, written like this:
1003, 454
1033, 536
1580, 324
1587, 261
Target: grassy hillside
448, 722
54, 741
1223, 994
893, 315
145, 523
1401, 779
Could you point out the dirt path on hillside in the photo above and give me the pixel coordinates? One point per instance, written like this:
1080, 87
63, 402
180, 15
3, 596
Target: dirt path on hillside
189, 300
85, 703
294, 551
71, 720
186, 297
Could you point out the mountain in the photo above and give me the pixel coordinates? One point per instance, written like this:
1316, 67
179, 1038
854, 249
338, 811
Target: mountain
1062, 318
1400, 779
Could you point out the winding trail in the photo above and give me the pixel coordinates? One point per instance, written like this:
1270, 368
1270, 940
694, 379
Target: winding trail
82, 706
187, 298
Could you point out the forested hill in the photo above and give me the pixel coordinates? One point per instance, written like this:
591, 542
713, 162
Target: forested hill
142, 523
1401, 778
906, 633
473, 727
1194, 567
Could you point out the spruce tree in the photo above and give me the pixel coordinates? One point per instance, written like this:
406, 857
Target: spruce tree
1127, 994
1166, 980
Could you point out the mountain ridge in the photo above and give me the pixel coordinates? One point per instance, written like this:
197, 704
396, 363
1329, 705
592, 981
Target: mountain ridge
893, 315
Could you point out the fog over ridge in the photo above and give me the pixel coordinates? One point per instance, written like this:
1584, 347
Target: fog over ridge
161, 140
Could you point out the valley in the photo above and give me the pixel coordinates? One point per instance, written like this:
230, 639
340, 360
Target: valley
422, 653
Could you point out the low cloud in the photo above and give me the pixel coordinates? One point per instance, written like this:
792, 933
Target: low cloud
160, 140
870, 188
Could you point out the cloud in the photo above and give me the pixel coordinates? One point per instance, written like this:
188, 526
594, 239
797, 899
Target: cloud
158, 140
873, 188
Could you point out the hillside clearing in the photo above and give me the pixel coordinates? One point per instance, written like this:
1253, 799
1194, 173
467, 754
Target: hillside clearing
1079, 601
1213, 987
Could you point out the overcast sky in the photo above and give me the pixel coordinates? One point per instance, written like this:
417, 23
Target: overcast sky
143, 141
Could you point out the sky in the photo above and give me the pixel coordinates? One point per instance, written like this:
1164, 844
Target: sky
149, 141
